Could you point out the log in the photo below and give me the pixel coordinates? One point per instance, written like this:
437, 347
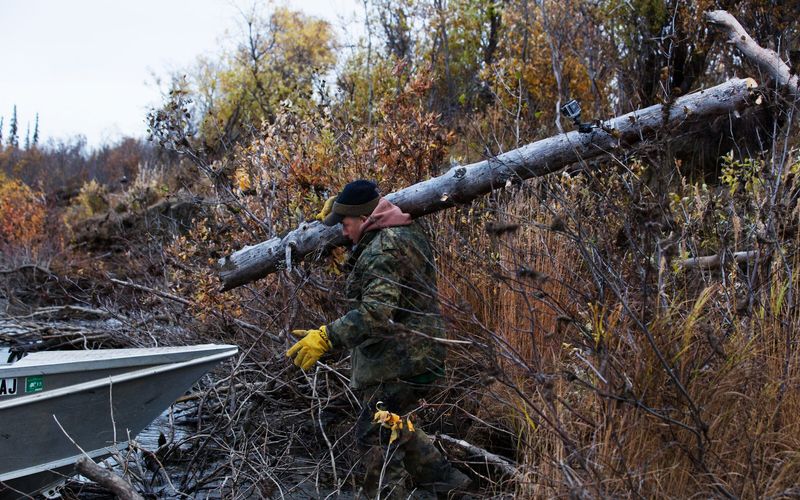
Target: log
714, 261
107, 479
462, 184
766, 59
504, 465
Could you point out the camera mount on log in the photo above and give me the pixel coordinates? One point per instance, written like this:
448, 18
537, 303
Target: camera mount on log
572, 110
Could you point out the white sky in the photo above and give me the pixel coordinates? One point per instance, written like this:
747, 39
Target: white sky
87, 66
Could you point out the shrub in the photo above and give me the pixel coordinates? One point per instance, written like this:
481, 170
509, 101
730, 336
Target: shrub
93, 198
22, 214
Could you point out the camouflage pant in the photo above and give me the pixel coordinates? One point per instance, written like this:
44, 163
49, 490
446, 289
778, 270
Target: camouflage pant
412, 453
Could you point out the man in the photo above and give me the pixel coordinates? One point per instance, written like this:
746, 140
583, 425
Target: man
392, 331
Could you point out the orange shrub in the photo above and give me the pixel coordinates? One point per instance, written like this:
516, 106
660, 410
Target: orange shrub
22, 214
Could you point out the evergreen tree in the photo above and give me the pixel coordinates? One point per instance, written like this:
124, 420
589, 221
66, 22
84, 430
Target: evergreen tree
28, 136
35, 131
1, 131
13, 140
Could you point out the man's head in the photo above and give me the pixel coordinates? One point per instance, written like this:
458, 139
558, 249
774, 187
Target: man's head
351, 226
352, 207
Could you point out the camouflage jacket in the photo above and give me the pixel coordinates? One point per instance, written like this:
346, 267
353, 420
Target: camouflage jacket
395, 310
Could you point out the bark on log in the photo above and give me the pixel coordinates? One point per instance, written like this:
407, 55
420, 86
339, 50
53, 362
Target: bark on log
462, 184
107, 479
767, 60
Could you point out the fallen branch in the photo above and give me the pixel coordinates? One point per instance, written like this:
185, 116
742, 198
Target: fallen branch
714, 261
35, 334
462, 184
250, 386
505, 465
27, 266
107, 479
767, 60
72, 311
162, 294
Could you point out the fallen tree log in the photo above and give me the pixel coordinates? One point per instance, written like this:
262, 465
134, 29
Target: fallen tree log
462, 184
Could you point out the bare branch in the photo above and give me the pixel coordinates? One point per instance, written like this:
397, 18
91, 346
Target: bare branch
506, 466
105, 477
714, 261
767, 60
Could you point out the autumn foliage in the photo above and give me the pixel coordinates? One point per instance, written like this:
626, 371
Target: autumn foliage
582, 347
22, 215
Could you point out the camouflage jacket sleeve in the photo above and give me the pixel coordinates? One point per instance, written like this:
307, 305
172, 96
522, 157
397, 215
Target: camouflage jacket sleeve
380, 297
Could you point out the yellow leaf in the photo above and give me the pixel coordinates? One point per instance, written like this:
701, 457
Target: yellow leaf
243, 180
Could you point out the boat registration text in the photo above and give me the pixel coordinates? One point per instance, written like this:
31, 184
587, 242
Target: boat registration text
8, 386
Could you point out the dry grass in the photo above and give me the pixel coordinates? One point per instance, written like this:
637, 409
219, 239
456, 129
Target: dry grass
626, 393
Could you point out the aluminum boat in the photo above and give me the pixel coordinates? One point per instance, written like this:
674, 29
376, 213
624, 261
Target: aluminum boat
56, 406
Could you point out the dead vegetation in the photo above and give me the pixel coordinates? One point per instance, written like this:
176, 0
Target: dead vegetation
587, 358
579, 363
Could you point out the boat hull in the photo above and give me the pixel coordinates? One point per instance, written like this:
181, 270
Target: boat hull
50, 430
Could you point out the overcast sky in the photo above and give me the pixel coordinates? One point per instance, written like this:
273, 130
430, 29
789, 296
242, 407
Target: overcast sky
87, 66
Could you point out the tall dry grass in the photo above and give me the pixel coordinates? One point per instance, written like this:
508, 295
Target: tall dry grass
617, 374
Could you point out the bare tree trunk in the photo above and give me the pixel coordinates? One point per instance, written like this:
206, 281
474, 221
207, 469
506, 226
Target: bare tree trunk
462, 184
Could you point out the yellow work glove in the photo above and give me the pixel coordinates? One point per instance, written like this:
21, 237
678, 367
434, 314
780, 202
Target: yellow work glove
326, 208
392, 421
311, 346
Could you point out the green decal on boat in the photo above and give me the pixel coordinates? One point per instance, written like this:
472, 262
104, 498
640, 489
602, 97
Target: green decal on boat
34, 384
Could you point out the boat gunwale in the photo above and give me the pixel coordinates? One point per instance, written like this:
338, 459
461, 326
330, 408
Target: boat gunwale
113, 379
127, 358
